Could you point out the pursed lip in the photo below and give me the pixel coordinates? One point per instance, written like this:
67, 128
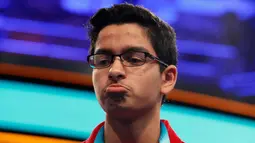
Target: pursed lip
116, 88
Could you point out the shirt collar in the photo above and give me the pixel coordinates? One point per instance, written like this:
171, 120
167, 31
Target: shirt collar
164, 138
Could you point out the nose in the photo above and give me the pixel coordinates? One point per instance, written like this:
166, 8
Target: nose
117, 71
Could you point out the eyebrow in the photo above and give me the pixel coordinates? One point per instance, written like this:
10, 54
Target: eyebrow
103, 51
134, 48
126, 49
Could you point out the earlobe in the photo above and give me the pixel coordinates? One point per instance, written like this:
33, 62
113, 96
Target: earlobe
169, 77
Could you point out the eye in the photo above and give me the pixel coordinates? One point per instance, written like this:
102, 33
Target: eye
101, 60
134, 58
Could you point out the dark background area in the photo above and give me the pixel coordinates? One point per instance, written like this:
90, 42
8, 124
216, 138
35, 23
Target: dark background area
215, 40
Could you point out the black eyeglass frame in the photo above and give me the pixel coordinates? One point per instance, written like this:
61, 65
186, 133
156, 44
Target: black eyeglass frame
147, 55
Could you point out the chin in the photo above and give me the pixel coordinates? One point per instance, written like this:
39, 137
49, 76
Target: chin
120, 115
122, 112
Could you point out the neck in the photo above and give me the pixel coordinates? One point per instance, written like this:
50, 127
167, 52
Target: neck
144, 129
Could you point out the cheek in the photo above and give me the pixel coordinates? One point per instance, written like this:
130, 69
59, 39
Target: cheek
147, 83
151, 85
99, 81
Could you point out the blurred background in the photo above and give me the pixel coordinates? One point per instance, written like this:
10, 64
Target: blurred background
46, 92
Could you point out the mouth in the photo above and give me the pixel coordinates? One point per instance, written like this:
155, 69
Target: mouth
116, 92
115, 88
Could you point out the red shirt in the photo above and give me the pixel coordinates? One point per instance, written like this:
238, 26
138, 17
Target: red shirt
172, 135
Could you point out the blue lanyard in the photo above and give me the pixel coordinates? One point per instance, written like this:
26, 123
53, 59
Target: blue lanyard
162, 139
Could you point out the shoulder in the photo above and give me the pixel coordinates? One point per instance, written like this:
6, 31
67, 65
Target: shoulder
94, 133
171, 133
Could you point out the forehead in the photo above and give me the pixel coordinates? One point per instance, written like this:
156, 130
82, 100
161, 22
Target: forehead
118, 38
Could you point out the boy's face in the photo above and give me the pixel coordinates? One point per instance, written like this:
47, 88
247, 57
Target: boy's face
124, 91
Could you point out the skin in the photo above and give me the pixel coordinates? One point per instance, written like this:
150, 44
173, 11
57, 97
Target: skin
136, 118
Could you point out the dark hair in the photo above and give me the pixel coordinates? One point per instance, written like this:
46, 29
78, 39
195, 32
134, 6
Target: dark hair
161, 35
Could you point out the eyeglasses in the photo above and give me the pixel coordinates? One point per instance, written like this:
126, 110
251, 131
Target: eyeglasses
130, 59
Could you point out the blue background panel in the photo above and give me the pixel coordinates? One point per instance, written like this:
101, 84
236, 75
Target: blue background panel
73, 113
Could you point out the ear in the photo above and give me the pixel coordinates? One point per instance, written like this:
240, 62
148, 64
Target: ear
168, 78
